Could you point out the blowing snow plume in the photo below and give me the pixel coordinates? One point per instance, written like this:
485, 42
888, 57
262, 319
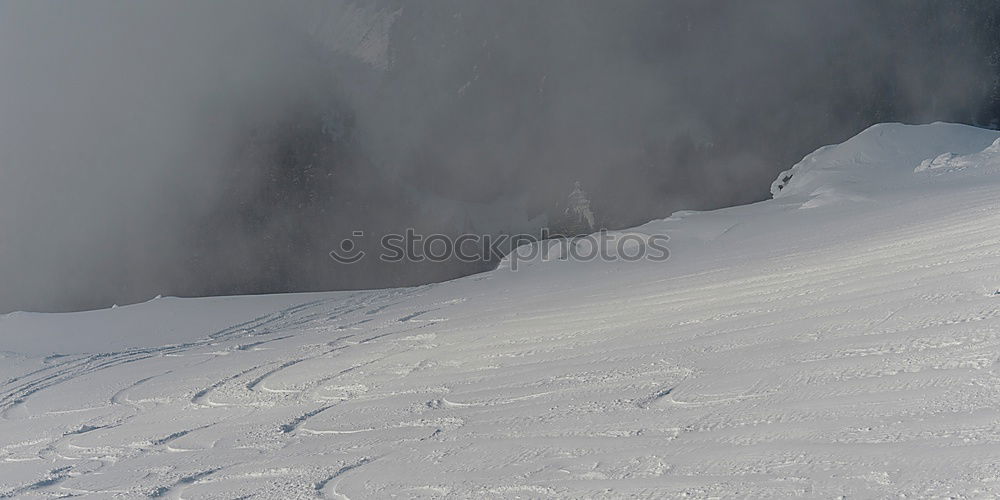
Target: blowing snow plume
213, 148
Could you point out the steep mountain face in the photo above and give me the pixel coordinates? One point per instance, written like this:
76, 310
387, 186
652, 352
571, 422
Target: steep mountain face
840, 339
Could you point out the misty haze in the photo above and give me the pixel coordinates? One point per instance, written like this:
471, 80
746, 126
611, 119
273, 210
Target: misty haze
206, 148
499, 249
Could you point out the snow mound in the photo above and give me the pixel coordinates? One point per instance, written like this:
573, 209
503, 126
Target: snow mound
987, 159
880, 158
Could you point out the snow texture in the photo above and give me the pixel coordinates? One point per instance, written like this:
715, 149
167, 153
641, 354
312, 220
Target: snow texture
840, 339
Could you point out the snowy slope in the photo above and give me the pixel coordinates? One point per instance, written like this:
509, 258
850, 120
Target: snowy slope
840, 339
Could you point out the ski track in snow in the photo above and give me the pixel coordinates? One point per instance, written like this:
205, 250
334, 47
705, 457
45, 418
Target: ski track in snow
849, 349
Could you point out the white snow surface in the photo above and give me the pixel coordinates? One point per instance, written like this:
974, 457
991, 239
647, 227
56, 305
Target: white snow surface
840, 339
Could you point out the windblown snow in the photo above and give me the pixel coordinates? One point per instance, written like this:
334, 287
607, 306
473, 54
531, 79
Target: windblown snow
840, 339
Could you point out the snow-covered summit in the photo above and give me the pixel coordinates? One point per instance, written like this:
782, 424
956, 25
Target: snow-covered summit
878, 158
